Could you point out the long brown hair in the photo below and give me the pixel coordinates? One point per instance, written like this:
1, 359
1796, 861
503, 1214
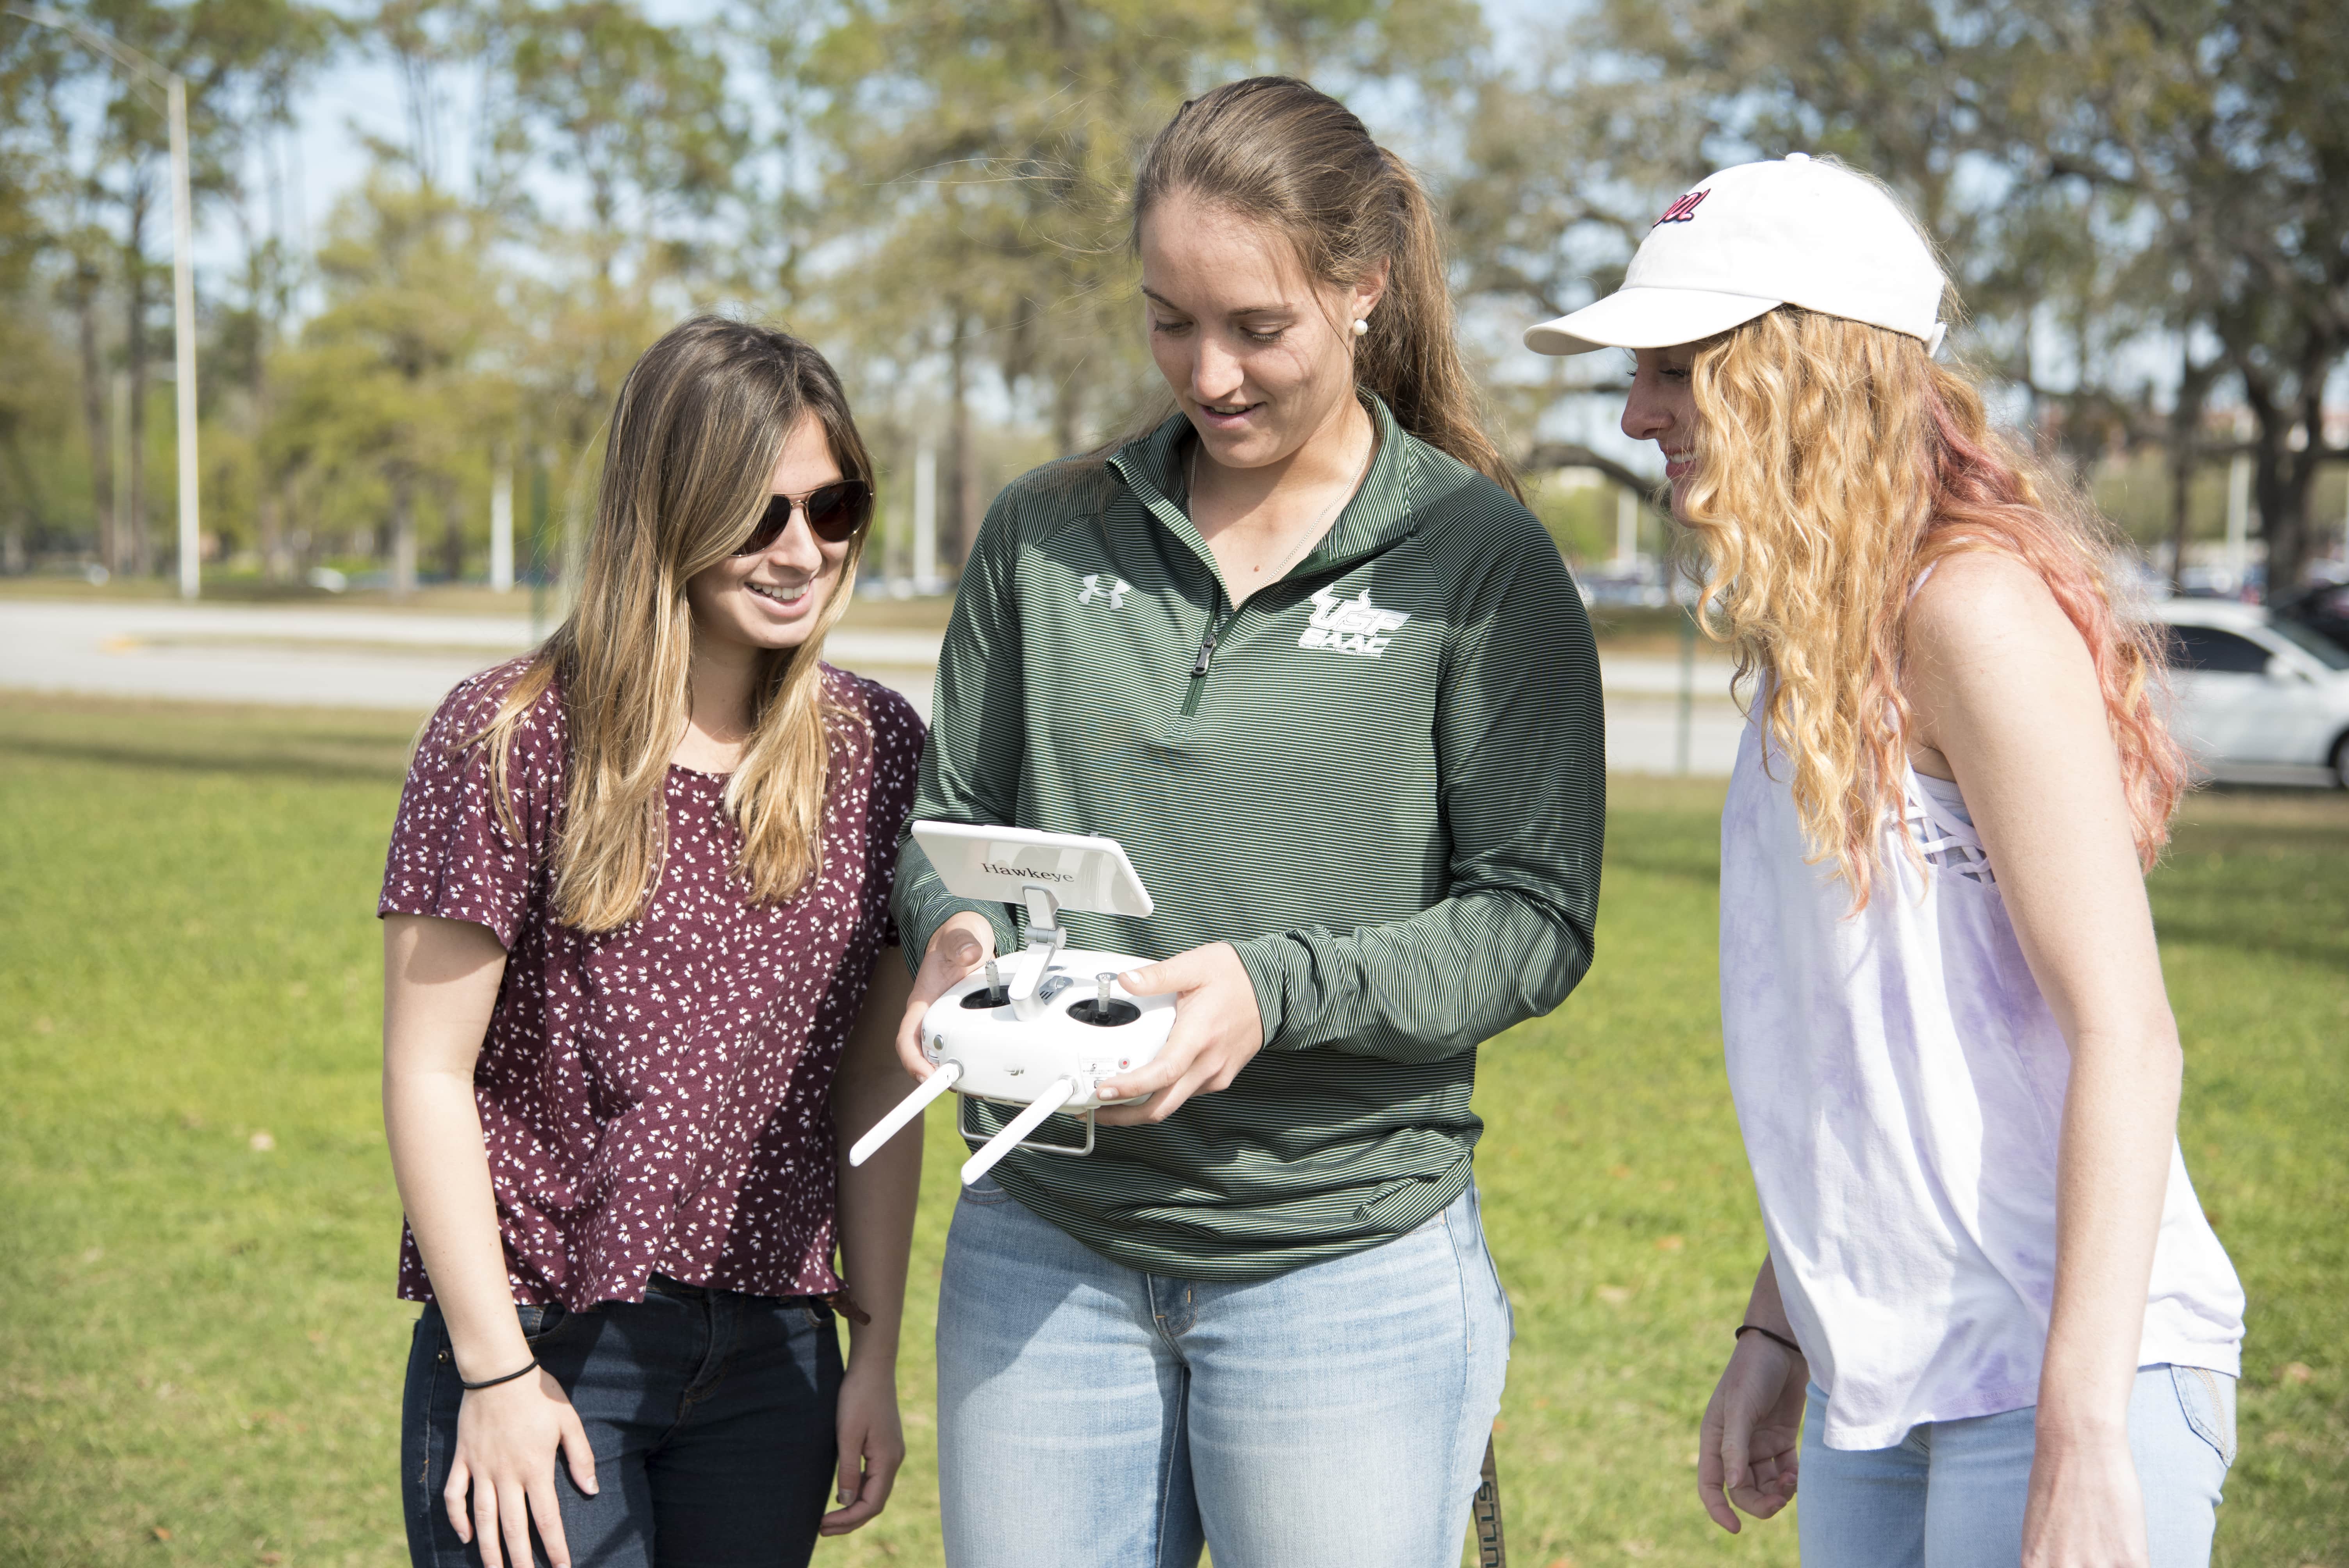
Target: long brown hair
1836, 462
1283, 153
698, 426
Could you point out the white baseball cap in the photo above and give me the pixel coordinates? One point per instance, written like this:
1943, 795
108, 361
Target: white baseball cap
1752, 238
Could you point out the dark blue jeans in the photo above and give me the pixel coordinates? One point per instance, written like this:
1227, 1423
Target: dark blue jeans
711, 1415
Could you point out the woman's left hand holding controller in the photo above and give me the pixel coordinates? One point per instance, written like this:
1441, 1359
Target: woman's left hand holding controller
1217, 1029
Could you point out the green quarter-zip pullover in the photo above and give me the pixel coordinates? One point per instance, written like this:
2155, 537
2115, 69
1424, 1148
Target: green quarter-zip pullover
1382, 779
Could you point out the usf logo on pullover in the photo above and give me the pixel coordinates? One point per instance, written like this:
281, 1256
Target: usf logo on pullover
1350, 625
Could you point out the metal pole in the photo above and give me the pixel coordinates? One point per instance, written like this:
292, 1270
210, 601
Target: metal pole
539, 625
502, 561
925, 521
1681, 738
184, 328
2239, 518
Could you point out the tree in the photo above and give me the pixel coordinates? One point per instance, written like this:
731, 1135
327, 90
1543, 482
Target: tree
2232, 129
391, 380
2113, 183
102, 184
1572, 151
985, 150
639, 113
42, 216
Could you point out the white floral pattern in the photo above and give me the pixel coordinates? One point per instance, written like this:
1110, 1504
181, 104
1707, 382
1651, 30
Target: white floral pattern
656, 1099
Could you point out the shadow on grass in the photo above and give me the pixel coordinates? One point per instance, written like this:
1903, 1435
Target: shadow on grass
369, 761
2228, 887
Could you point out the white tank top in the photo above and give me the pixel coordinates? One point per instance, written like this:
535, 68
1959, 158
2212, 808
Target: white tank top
1899, 1081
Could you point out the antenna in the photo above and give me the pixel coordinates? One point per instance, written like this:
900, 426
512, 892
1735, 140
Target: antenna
1014, 1130
904, 1110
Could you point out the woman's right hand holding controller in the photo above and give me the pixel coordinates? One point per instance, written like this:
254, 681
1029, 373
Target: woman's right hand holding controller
960, 945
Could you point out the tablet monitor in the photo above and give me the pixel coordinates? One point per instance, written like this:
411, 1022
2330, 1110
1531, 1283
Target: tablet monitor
1081, 872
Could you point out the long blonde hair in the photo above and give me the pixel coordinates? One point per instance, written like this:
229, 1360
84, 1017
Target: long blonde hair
698, 426
1836, 462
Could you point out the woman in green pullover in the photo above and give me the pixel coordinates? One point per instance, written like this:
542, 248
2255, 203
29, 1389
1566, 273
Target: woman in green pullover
1304, 652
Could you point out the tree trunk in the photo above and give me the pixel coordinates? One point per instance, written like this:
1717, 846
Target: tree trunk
269, 510
960, 516
139, 557
2282, 478
30, 515
93, 411
452, 533
269, 520
2184, 435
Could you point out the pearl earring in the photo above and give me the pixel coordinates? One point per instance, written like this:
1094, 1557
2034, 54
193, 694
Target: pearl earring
1360, 327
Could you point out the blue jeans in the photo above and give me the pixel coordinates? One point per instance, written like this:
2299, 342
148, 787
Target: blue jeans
712, 1414
1093, 1417
1952, 1494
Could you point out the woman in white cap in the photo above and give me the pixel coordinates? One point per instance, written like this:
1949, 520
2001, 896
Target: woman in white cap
1992, 1311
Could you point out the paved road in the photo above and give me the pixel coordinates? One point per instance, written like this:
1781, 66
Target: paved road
389, 659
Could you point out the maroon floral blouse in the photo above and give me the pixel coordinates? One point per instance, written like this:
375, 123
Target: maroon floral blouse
656, 1099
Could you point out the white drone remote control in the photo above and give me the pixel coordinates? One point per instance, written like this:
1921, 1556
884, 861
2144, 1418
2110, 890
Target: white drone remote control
1043, 1028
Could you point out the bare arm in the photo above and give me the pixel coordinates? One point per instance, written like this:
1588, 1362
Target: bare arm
877, 1200
441, 981
2006, 701
1748, 1450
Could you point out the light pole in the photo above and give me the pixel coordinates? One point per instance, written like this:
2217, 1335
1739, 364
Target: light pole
184, 277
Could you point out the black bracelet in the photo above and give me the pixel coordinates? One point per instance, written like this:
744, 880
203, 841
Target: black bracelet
493, 1382
1747, 1329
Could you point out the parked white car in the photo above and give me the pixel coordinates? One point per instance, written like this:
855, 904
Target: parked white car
2259, 699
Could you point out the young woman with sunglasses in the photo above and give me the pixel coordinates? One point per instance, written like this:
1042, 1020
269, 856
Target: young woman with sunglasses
640, 976
1993, 1326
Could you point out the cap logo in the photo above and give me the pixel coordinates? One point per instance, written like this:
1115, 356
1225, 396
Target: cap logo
1681, 211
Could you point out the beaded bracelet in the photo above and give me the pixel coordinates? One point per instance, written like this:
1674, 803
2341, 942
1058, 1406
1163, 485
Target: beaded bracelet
493, 1382
1745, 1329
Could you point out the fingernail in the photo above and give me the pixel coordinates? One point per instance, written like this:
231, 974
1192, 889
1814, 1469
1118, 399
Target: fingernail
1105, 1094
843, 1497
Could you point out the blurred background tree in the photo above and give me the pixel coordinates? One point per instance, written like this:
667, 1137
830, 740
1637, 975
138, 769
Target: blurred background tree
394, 391
984, 153
2143, 203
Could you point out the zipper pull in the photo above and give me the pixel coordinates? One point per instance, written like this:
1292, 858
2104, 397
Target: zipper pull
1206, 649
1198, 681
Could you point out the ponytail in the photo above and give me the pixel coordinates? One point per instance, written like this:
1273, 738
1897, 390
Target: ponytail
1283, 153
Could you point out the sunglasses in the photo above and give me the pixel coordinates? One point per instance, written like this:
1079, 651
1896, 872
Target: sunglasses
834, 514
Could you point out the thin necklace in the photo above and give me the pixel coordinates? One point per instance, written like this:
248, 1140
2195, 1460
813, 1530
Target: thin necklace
1320, 524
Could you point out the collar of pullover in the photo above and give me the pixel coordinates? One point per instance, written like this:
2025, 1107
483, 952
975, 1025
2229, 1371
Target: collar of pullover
1153, 467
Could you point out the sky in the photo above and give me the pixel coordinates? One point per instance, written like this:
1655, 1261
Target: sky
359, 96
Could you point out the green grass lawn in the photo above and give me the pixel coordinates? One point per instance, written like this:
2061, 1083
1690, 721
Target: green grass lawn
200, 1359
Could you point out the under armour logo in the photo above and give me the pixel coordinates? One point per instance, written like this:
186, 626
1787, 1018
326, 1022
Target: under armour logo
1098, 586
1681, 211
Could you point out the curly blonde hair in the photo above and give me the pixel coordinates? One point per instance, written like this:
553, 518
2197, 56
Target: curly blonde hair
1836, 462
